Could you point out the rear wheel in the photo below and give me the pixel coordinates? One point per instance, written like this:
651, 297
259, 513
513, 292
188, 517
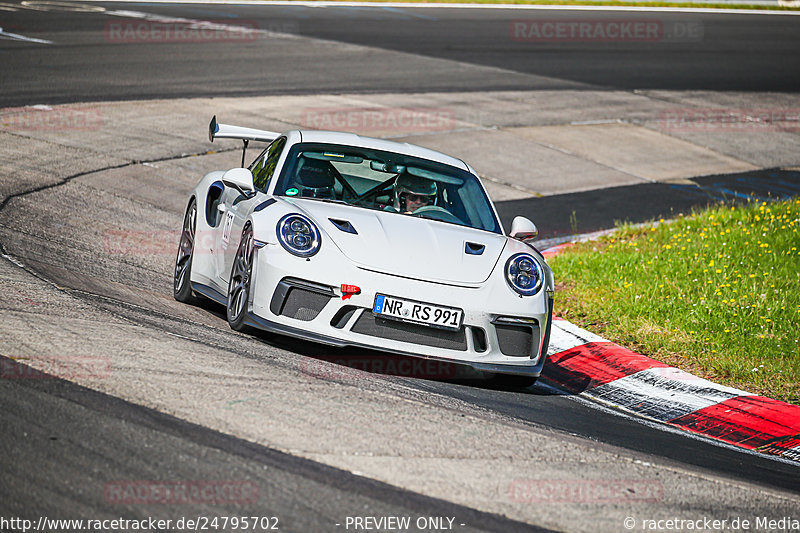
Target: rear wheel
239, 284
182, 286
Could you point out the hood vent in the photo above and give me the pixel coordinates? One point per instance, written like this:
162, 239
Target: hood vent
473, 248
344, 225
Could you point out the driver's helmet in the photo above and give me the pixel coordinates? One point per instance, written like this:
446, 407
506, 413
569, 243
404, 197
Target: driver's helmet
406, 184
315, 178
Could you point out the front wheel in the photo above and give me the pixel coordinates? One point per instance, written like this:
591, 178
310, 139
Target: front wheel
182, 285
239, 284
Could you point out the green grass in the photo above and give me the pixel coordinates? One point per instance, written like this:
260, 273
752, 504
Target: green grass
716, 293
720, 5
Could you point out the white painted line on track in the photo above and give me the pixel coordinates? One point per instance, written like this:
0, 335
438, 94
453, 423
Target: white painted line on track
427, 5
17, 37
58, 5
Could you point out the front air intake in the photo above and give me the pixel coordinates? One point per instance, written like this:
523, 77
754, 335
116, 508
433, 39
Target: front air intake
517, 337
300, 299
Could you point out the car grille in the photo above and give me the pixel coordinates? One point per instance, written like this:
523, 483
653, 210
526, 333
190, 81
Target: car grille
369, 324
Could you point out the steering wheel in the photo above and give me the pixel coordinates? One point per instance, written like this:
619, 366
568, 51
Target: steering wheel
437, 213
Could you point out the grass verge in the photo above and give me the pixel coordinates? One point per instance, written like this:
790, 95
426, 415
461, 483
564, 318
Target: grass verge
716, 293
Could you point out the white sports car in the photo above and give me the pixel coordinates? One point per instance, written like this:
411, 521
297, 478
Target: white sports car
353, 241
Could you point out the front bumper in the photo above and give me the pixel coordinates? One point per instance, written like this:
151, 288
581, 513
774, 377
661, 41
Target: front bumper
501, 332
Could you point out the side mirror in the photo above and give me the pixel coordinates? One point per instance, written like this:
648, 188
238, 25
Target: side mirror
523, 229
240, 179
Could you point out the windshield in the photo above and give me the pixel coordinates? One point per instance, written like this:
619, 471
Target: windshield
386, 181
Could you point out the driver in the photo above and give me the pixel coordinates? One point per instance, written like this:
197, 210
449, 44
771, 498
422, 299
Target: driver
412, 192
316, 178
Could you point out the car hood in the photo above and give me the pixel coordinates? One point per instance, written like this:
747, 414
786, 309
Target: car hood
407, 246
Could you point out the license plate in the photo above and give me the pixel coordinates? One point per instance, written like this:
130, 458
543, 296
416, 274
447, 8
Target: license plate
417, 312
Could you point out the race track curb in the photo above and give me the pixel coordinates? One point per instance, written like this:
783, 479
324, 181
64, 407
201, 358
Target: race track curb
595, 368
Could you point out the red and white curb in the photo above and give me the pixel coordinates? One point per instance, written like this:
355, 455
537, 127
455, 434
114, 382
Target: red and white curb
588, 365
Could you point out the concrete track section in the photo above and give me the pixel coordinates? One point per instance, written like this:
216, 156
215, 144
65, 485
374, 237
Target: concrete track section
128, 460
93, 214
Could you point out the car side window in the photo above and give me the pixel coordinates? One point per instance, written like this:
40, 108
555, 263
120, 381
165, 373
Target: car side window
263, 168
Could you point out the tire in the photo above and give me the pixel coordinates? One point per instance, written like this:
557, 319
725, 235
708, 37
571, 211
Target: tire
182, 286
239, 284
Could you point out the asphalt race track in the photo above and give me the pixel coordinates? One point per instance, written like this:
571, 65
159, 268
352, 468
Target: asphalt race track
90, 61
301, 494
189, 399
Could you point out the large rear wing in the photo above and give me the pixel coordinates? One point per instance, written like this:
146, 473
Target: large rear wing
225, 131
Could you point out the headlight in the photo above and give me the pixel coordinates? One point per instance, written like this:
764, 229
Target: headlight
524, 274
298, 235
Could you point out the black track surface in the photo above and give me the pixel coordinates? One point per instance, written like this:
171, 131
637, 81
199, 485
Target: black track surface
89, 61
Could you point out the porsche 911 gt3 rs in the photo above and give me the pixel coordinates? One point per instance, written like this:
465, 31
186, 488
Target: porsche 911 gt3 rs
352, 241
